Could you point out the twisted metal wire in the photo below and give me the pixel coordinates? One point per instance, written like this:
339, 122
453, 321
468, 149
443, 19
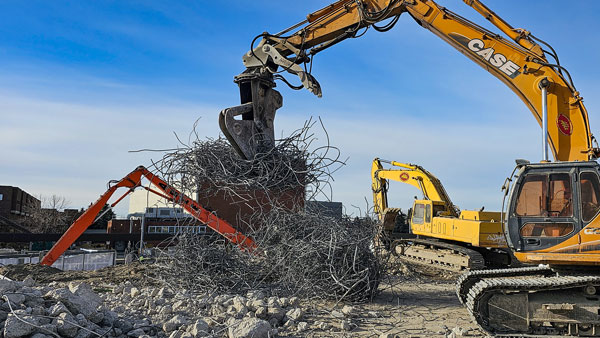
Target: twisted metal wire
301, 252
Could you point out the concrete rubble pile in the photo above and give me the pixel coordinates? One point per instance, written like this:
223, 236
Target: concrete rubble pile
80, 310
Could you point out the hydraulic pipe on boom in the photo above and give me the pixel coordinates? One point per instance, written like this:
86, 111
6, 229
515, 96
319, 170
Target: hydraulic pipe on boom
544, 86
132, 181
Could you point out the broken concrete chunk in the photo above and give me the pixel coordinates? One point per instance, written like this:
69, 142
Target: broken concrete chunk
199, 329
250, 328
76, 304
295, 314
7, 286
261, 312
276, 313
85, 291
65, 325
284, 302
134, 292
255, 304
348, 310
174, 323
14, 299
337, 314
14, 327
302, 326
29, 281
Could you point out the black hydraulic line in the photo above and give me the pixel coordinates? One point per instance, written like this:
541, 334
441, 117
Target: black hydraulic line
279, 77
387, 26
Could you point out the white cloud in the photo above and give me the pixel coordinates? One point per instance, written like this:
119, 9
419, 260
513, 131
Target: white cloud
471, 160
74, 149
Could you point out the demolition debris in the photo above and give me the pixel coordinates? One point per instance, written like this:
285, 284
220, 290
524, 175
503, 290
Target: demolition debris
300, 252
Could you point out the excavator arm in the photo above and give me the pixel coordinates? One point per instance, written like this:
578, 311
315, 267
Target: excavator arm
412, 174
521, 63
132, 181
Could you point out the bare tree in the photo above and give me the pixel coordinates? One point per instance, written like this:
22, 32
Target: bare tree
51, 217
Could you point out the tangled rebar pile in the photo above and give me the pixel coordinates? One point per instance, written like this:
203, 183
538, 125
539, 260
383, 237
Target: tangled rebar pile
299, 252
320, 256
210, 166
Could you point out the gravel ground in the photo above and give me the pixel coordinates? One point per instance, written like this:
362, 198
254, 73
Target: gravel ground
125, 302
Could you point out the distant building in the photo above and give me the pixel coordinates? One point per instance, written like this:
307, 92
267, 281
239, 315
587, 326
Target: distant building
160, 216
156, 220
329, 209
161, 212
141, 199
72, 214
14, 201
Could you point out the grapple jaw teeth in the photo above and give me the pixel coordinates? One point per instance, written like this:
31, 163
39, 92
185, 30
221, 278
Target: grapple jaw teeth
249, 126
238, 132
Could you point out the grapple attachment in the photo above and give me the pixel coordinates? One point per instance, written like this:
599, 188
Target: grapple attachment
249, 126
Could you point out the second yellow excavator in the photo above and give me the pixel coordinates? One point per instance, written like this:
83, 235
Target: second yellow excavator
435, 232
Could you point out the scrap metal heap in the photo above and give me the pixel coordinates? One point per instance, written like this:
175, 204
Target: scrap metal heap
302, 254
299, 252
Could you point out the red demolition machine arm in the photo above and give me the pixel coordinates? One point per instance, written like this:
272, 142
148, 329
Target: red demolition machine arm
133, 181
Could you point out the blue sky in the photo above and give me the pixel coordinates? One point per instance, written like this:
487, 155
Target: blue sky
82, 83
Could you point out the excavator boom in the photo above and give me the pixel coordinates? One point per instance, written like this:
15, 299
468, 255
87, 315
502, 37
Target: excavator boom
520, 63
412, 174
132, 181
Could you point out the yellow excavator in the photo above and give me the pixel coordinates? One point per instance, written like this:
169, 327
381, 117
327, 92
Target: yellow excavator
551, 208
446, 237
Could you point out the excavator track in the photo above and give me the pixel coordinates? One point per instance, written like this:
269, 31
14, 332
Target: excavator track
536, 307
438, 254
469, 278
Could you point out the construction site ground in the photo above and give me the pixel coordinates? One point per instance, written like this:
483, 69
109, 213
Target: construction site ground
415, 301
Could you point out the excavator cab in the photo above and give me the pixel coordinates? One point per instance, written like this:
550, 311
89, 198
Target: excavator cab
423, 212
553, 207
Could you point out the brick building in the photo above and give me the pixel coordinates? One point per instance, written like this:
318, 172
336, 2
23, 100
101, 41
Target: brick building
14, 201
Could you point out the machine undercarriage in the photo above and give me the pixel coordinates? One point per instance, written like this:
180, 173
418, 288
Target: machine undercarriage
533, 301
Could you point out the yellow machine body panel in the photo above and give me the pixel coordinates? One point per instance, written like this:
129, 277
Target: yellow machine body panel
478, 228
493, 216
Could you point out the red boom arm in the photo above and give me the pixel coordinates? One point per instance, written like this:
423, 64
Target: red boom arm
133, 181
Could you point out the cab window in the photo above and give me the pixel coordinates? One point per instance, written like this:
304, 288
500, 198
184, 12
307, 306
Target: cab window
418, 214
438, 210
546, 229
546, 195
428, 213
590, 195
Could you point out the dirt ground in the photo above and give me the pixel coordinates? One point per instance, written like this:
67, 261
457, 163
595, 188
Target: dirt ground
417, 301
135, 273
